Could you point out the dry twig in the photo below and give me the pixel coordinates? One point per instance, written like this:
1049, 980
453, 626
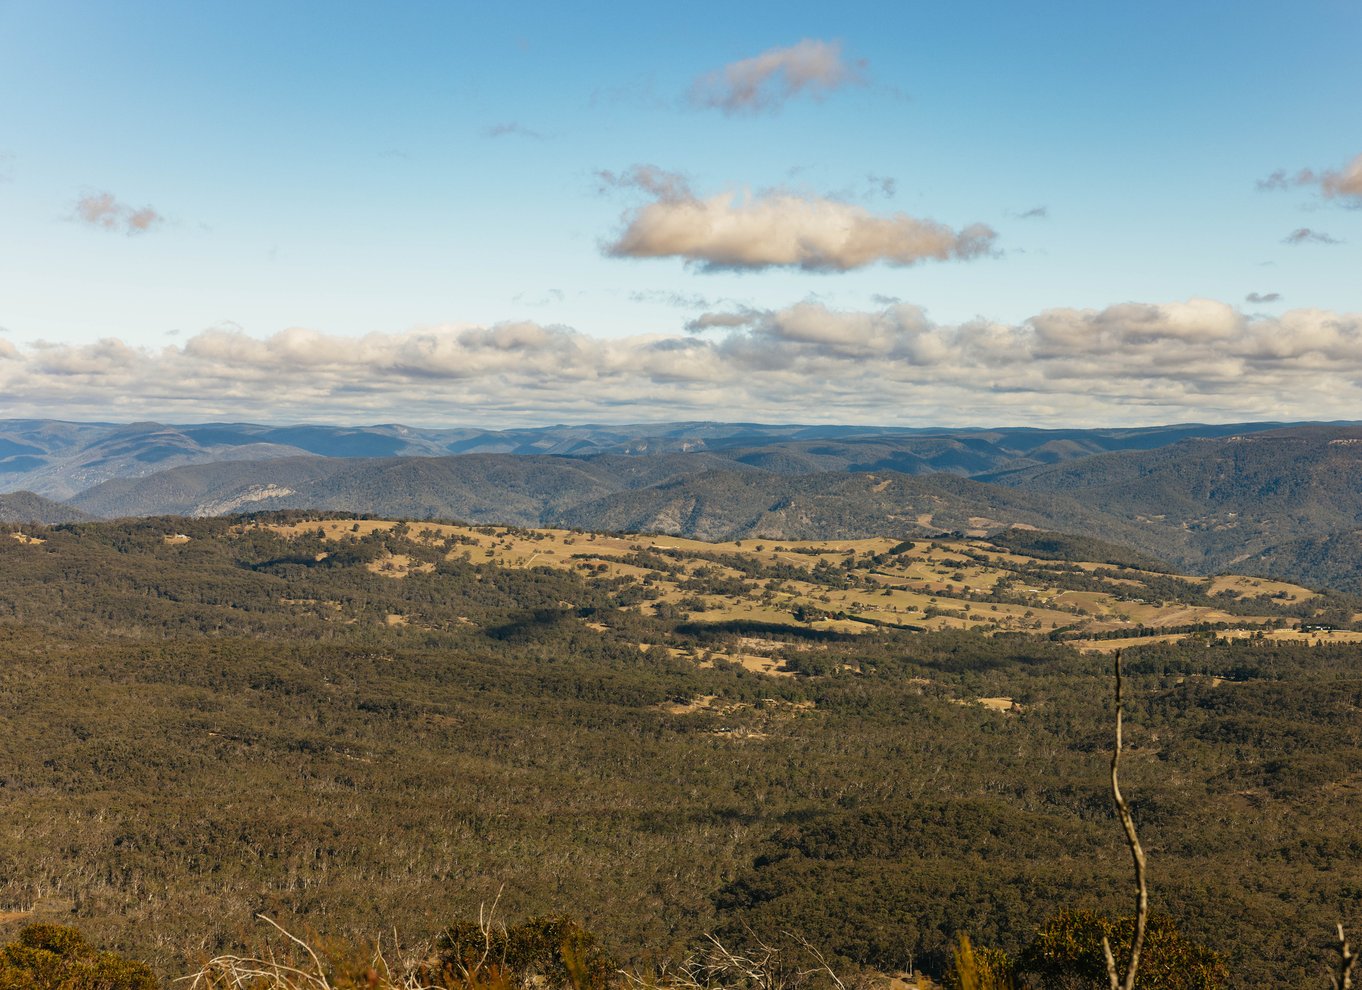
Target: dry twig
722, 968
230, 972
822, 967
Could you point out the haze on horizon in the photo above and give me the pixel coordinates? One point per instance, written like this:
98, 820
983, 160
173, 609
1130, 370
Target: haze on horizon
895, 214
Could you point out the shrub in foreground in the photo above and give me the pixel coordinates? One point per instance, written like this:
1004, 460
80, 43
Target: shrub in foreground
53, 957
554, 951
1066, 954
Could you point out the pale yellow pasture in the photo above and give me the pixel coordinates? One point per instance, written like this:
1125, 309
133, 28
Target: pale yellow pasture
999, 704
937, 576
334, 529
1252, 587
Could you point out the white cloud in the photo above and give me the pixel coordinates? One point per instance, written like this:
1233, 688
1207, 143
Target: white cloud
1194, 360
104, 211
768, 81
1346, 181
721, 320
1342, 183
777, 229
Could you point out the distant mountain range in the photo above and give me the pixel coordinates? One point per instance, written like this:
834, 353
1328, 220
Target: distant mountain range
1262, 498
59, 460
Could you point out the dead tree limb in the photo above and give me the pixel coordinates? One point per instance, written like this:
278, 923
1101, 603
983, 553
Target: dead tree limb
1136, 855
1346, 959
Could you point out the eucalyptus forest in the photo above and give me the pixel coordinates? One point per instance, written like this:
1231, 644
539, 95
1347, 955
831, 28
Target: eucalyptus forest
356, 728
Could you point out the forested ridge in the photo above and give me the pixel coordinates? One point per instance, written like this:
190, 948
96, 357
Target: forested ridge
211, 719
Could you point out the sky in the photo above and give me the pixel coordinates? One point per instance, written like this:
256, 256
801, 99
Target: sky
903, 213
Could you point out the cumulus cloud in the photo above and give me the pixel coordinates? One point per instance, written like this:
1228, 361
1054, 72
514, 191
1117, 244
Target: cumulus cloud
1343, 183
1263, 297
1346, 181
1130, 363
1304, 235
103, 210
776, 229
768, 81
721, 321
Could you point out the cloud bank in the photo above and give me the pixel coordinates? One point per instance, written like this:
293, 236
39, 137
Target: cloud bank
104, 211
1127, 364
766, 82
777, 229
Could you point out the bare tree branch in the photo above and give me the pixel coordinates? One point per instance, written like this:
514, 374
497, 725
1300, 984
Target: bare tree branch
1346, 959
1136, 855
822, 967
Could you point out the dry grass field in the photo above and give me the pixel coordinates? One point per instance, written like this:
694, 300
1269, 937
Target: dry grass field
852, 586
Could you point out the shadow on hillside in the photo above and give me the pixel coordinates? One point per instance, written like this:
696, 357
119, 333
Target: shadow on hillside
753, 627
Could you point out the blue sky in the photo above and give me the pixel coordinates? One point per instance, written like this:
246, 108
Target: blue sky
272, 211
